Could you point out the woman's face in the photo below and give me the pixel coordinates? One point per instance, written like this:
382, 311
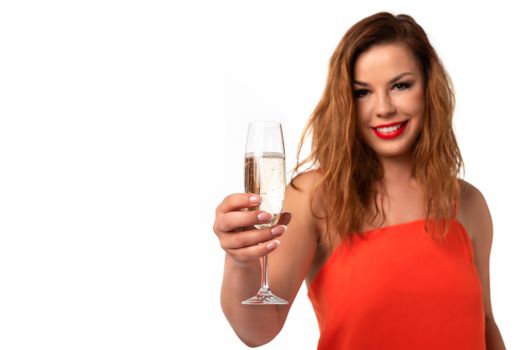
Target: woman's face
389, 96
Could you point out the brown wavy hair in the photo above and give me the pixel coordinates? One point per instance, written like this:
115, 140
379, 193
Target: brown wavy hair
348, 168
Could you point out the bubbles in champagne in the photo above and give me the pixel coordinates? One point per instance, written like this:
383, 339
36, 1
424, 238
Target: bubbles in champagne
265, 174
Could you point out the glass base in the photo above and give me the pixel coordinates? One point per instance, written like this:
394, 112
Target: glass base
265, 297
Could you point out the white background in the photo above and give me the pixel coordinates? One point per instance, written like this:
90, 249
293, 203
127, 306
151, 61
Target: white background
123, 125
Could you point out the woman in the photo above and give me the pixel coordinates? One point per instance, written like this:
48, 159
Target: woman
394, 248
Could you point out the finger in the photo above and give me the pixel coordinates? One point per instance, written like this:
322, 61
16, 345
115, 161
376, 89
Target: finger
254, 252
231, 221
238, 201
252, 237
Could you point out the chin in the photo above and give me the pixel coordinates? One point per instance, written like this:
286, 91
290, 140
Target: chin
393, 152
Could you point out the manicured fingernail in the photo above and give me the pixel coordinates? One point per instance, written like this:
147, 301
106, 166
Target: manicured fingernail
273, 244
263, 216
254, 199
277, 230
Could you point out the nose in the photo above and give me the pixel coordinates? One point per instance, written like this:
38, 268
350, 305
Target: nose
384, 107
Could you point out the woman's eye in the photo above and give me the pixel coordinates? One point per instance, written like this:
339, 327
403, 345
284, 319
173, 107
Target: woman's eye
360, 93
401, 86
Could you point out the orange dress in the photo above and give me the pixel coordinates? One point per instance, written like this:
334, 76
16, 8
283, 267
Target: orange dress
398, 288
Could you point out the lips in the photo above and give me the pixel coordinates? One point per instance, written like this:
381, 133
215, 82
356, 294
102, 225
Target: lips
391, 130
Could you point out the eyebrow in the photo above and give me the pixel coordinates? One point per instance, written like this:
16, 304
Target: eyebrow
400, 76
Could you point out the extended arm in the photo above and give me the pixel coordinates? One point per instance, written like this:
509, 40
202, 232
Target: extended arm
289, 262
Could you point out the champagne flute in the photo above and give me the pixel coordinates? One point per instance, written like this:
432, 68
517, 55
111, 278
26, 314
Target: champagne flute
265, 175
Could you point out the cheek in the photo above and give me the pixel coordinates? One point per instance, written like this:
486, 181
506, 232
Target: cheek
417, 112
421, 96
414, 104
362, 125
362, 111
361, 122
421, 103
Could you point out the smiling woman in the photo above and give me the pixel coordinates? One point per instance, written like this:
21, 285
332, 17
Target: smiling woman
389, 105
382, 212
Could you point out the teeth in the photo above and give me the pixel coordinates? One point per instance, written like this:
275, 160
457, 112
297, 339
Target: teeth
389, 129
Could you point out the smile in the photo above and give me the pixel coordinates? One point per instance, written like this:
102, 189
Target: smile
390, 131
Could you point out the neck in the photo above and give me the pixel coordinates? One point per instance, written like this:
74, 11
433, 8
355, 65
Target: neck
397, 170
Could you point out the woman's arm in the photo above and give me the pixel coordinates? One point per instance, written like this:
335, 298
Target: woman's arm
288, 262
478, 220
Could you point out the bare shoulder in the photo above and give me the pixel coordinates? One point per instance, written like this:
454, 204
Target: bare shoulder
469, 195
473, 212
301, 197
474, 215
306, 181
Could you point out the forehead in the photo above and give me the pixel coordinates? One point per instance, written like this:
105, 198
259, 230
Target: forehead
381, 62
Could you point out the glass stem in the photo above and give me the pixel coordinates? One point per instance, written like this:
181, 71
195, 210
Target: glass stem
264, 283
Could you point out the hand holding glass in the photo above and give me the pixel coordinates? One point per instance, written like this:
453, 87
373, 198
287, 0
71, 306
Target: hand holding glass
265, 175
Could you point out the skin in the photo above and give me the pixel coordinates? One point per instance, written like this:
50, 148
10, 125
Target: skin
389, 89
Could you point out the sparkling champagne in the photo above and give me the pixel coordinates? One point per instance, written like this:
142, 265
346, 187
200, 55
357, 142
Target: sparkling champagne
265, 175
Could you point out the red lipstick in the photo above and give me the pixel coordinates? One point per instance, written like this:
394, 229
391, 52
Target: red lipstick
399, 128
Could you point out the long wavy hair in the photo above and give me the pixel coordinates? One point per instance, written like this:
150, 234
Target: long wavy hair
349, 169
